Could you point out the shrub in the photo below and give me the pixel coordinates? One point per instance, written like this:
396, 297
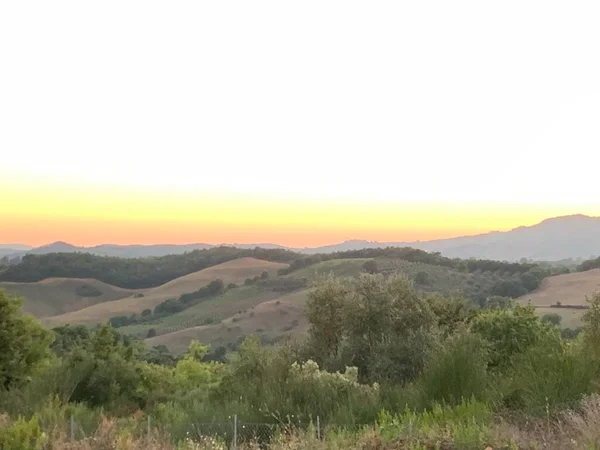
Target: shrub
22, 435
370, 266
455, 370
87, 290
552, 318
422, 279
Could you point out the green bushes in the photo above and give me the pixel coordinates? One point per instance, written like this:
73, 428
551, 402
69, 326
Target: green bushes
455, 370
21, 435
87, 290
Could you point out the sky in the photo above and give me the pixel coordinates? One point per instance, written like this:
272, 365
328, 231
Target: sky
300, 123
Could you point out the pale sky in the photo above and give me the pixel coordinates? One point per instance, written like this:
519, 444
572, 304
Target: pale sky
381, 101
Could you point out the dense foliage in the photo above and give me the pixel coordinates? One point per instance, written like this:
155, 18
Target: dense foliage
377, 352
134, 273
589, 265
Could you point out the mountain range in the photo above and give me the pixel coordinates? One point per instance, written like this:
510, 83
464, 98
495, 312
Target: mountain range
575, 236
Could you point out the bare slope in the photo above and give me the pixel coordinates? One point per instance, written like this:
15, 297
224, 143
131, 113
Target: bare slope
271, 319
54, 296
234, 271
568, 289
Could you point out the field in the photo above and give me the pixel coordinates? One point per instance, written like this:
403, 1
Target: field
270, 319
568, 289
54, 296
235, 271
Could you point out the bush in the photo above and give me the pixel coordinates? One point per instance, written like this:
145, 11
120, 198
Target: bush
87, 290
22, 435
370, 266
455, 370
552, 318
422, 279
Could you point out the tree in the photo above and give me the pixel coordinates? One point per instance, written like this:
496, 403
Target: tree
509, 332
146, 312
451, 311
370, 266
591, 327
24, 343
552, 318
422, 279
325, 310
264, 275
151, 333
389, 328
506, 288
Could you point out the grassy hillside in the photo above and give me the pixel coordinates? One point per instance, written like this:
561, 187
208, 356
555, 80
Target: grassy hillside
211, 315
54, 296
235, 271
270, 319
571, 289
219, 320
210, 311
568, 289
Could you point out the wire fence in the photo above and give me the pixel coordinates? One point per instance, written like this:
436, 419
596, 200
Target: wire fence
233, 434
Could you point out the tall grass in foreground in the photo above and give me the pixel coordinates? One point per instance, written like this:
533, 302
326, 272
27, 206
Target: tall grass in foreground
468, 425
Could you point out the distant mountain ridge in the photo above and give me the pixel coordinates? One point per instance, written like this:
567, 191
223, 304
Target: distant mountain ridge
576, 236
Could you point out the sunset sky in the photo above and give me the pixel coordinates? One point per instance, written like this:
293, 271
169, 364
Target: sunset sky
298, 123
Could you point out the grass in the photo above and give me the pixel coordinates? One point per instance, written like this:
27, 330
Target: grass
215, 309
569, 289
468, 426
270, 319
54, 296
235, 271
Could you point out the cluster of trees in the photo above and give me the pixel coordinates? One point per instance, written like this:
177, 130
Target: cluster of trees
172, 306
417, 256
589, 265
133, 273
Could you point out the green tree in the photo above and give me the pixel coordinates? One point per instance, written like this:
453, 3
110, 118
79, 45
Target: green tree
24, 343
325, 309
264, 275
552, 318
422, 279
509, 332
370, 266
389, 328
451, 311
591, 327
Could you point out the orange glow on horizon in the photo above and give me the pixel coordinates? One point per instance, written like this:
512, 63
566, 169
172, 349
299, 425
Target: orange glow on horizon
86, 217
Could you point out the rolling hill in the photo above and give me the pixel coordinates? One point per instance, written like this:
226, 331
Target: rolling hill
270, 319
568, 289
223, 320
234, 271
54, 296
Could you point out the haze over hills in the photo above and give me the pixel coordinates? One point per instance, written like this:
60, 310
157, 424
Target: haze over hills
576, 236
